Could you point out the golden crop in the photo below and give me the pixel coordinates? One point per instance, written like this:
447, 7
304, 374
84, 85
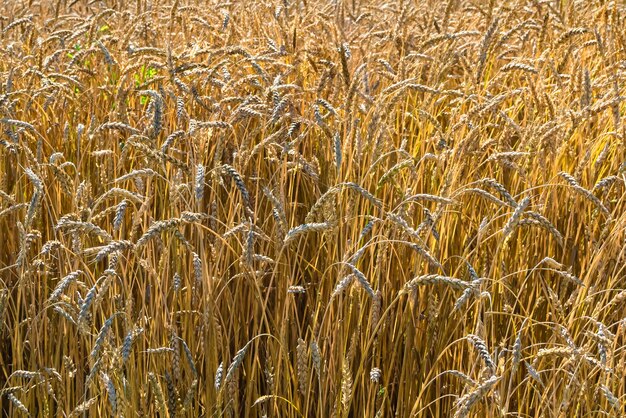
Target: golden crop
308, 208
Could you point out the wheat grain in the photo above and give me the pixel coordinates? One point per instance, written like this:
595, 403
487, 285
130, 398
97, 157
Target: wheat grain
515, 218
302, 229
467, 401
346, 386
84, 406
586, 193
481, 347
156, 387
62, 286
18, 404
302, 366
433, 279
519, 66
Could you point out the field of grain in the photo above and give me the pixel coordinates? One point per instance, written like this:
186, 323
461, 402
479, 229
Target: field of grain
308, 208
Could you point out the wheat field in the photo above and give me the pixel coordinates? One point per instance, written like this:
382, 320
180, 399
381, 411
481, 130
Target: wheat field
308, 208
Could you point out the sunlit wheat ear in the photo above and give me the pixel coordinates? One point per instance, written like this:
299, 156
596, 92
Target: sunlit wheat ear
278, 211
468, 381
533, 373
483, 193
156, 228
144, 172
78, 227
19, 123
603, 341
111, 392
25, 21
610, 397
426, 255
514, 219
218, 376
501, 189
512, 66
85, 307
107, 55
237, 360
305, 228
346, 386
231, 172
433, 279
83, 407
128, 343
18, 404
158, 392
541, 221
362, 280
393, 171
176, 282
430, 198
24, 374
191, 394
119, 126
199, 182
569, 276
316, 357
63, 285
481, 347
171, 138
156, 104
484, 48
585, 193
466, 402
333, 191
343, 284
113, 246
606, 182
376, 310
189, 357
616, 300
159, 350
36, 198
98, 345
473, 290
120, 211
